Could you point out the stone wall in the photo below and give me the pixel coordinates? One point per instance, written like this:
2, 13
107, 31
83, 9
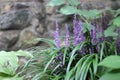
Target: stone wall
22, 21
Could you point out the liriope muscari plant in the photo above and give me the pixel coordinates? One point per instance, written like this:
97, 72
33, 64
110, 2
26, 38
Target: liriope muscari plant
77, 59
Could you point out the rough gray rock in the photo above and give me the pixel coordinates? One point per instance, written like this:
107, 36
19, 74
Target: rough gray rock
28, 35
26, 18
8, 39
15, 19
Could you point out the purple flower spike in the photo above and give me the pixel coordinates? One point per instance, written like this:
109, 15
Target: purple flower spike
56, 36
78, 34
75, 20
93, 34
67, 40
75, 31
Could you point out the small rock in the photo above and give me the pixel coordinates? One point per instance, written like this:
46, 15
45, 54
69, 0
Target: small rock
8, 39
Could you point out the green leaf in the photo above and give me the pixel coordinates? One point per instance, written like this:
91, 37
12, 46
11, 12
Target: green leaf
91, 74
8, 63
10, 78
78, 67
111, 76
116, 21
73, 2
64, 55
48, 41
68, 10
38, 76
95, 64
56, 2
72, 56
102, 51
117, 12
111, 62
69, 74
94, 13
110, 31
57, 77
47, 65
91, 14
22, 53
85, 66
88, 26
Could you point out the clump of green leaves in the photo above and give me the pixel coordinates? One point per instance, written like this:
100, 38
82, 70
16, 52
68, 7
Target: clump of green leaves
70, 7
9, 64
113, 24
112, 68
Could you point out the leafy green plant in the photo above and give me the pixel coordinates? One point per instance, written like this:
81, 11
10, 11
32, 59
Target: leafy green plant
113, 24
70, 7
77, 59
34, 67
112, 66
9, 64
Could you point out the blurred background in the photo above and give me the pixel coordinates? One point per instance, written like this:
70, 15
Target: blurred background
22, 21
